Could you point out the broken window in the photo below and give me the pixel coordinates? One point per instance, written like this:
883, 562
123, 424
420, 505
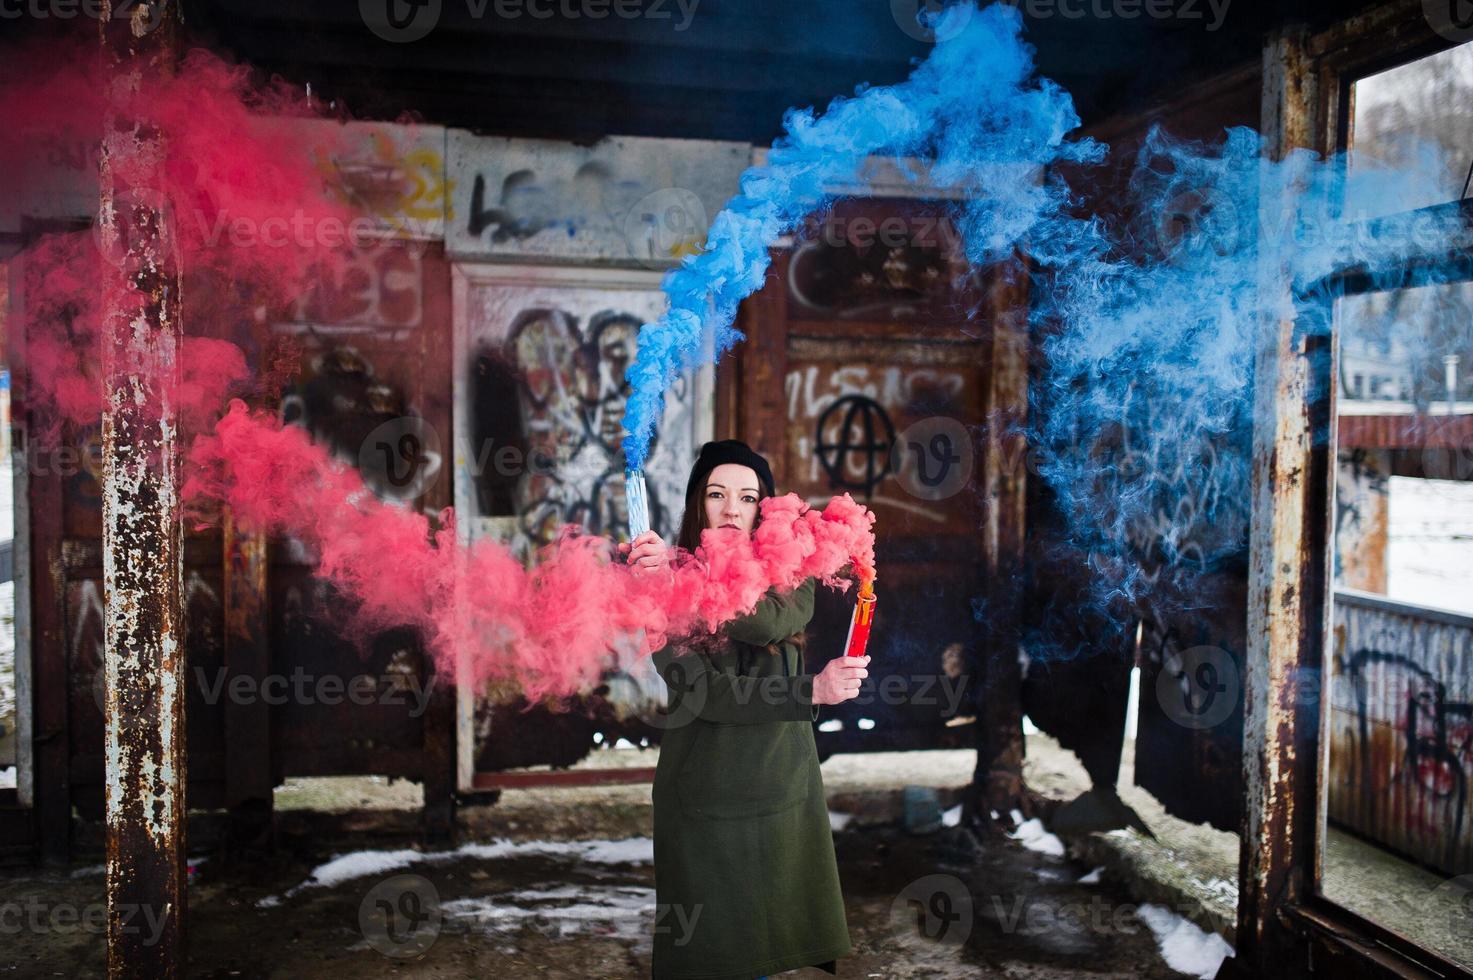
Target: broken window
1397, 846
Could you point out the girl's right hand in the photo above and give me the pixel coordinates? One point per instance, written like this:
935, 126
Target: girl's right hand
647, 553
839, 680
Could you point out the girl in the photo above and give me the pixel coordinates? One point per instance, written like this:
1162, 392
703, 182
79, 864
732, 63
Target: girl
746, 881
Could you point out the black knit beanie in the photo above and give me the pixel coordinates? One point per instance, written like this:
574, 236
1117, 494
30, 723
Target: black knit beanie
713, 454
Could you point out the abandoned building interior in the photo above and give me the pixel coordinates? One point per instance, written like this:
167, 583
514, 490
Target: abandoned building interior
1197, 619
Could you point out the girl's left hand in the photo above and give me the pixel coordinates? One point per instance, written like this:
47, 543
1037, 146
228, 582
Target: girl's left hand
647, 553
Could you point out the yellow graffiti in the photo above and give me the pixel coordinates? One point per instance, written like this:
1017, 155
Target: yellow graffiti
408, 192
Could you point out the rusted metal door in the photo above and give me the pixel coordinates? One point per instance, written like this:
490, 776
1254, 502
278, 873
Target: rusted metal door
862, 373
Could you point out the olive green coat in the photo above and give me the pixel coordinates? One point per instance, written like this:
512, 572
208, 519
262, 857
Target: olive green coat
746, 882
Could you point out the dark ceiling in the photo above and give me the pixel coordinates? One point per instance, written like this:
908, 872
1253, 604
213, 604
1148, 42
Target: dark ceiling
727, 70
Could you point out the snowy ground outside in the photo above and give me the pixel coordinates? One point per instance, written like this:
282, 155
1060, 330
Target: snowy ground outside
1431, 549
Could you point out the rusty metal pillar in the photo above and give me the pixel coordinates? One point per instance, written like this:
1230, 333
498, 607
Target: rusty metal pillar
1288, 565
249, 765
142, 535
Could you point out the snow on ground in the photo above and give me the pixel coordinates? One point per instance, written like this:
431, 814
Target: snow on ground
838, 821
952, 817
622, 911
362, 864
1185, 948
1094, 877
1431, 543
1032, 835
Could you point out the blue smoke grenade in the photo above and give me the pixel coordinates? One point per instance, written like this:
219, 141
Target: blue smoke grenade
1142, 413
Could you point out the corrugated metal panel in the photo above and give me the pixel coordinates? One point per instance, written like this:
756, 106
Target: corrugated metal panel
1406, 431
1401, 728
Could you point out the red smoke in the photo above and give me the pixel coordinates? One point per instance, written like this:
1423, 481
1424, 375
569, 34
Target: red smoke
238, 189
238, 168
552, 628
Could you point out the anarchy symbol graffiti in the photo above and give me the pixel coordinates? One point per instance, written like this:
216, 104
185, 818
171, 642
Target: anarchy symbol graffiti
864, 433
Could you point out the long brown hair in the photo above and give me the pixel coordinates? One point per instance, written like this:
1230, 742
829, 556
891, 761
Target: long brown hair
693, 522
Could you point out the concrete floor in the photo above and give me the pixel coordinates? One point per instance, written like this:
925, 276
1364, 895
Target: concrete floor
1430, 909
1192, 868
539, 903
522, 897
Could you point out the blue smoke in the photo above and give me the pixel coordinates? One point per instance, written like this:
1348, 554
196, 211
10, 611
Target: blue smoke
973, 106
1142, 415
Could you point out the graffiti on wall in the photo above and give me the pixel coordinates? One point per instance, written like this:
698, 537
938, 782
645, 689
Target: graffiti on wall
1362, 515
1401, 728
394, 173
846, 423
1431, 751
376, 290
548, 412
